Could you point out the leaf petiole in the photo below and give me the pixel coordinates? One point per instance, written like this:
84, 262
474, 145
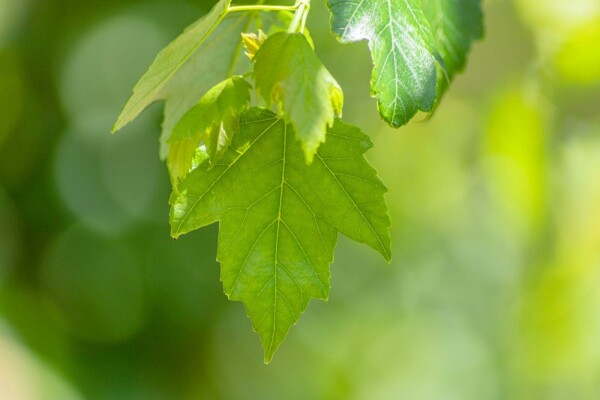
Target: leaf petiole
261, 8
298, 24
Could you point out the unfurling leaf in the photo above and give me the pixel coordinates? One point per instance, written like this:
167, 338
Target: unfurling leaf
252, 42
212, 121
289, 73
279, 217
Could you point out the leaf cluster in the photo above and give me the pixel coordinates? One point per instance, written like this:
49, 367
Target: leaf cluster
253, 139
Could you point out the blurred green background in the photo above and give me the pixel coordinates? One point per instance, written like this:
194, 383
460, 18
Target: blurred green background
494, 291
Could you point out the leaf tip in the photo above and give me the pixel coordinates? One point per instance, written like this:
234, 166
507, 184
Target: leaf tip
385, 249
175, 231
117, 126
337, 98
268, 357
309, 157
388, 256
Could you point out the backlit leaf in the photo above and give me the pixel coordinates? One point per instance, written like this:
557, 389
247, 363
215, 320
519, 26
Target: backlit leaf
279, 218
212, 120
289, 73
168, 62
215, 58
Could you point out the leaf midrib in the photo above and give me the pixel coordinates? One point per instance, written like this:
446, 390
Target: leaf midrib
158, 87
276, 261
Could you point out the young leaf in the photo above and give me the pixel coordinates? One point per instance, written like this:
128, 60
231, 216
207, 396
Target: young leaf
181, 159
288, 72
168, 62
456, 24
211, 64
401, 43
213, 120
252, 42
280, 218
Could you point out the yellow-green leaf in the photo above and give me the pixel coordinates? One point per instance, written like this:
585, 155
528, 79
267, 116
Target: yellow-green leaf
279, 218
289, 73
213, 120
168, 62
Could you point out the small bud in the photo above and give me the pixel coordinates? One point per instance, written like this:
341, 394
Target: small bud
252, 42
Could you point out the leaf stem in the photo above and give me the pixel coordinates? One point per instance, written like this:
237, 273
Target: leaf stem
304, 18
239, 47
299, 22
261, 8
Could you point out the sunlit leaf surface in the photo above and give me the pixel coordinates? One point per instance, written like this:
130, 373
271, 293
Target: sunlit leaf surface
279, 218
414, 45
289, 73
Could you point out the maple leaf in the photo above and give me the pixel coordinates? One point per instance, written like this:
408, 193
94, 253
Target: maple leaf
279, 218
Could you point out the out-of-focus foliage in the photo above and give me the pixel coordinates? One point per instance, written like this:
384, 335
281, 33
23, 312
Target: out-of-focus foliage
23, 376
568, 34
494, 292
514, 157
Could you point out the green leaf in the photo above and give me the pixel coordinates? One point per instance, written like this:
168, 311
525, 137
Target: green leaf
212, 62
456, 24
401, 43
168, 62
417, 47
280, 218
181, 158
288, 72
212, 120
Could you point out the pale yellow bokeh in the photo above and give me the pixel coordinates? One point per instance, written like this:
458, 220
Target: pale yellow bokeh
561, 312
514, 156
24, 377
578, 58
